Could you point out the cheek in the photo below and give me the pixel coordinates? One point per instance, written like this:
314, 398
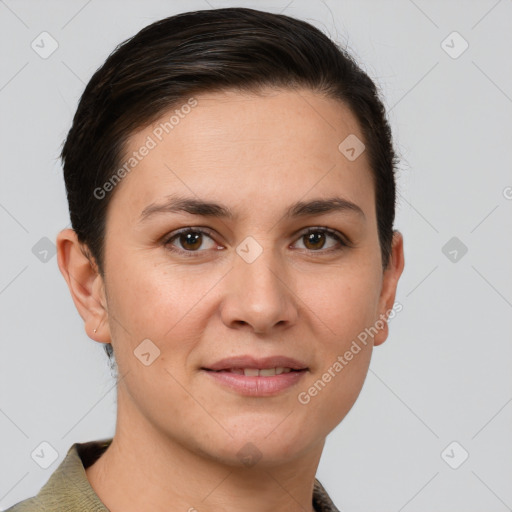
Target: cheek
344, 352
344, 300
344, 307
158, 302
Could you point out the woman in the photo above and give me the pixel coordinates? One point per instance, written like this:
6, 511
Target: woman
230, 179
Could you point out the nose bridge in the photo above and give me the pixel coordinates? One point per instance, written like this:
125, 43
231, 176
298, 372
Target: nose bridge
257, 293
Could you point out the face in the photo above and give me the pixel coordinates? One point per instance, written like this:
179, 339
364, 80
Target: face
265, 270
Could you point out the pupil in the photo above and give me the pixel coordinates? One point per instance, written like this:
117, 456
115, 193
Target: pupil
191, 239
313, 236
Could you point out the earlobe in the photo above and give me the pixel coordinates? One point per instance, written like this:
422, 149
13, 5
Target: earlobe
85, 284
389, 285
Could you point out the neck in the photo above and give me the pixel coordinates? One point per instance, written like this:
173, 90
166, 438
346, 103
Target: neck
144, 469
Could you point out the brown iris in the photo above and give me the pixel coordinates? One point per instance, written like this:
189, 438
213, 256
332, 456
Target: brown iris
192, 240
315, 238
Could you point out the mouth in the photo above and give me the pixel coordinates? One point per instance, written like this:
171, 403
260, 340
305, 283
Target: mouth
257, 372
257, 377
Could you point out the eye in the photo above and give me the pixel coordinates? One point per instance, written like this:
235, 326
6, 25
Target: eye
315, 239
190, 240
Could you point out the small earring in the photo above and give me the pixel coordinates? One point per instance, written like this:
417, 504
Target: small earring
94, 331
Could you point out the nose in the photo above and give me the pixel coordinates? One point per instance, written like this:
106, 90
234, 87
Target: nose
258, 296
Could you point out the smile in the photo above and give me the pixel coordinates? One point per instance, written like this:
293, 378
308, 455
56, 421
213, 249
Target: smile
256, 372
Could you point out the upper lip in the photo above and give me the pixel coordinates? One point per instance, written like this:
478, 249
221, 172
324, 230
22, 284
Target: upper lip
253, 362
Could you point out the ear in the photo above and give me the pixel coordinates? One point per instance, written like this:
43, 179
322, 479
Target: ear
85, 285
390, 279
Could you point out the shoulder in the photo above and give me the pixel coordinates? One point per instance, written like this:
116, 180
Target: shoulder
321, 500
68, 489
28, 505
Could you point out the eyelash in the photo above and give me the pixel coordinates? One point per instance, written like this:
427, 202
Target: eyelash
343, 243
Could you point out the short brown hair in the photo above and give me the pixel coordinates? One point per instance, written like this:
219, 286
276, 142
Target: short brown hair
207, 51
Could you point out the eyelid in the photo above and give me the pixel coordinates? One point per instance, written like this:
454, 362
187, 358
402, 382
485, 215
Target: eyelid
168, 238
341, 238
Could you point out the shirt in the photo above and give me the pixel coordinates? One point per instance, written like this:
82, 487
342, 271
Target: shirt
69, 490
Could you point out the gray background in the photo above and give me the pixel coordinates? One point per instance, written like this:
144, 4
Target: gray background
444, 373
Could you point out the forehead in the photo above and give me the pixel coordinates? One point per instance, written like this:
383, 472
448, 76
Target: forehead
247, 149
287, 121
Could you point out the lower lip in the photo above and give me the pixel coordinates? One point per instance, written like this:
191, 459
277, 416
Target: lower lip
256, 386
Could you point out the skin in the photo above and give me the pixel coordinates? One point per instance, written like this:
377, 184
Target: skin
178, 432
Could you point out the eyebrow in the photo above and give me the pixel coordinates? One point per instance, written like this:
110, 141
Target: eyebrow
176, 204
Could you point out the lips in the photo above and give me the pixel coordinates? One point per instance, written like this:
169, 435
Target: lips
259, 372
257, 377
265, 367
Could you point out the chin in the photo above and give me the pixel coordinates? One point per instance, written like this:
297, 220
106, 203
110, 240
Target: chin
262, 446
